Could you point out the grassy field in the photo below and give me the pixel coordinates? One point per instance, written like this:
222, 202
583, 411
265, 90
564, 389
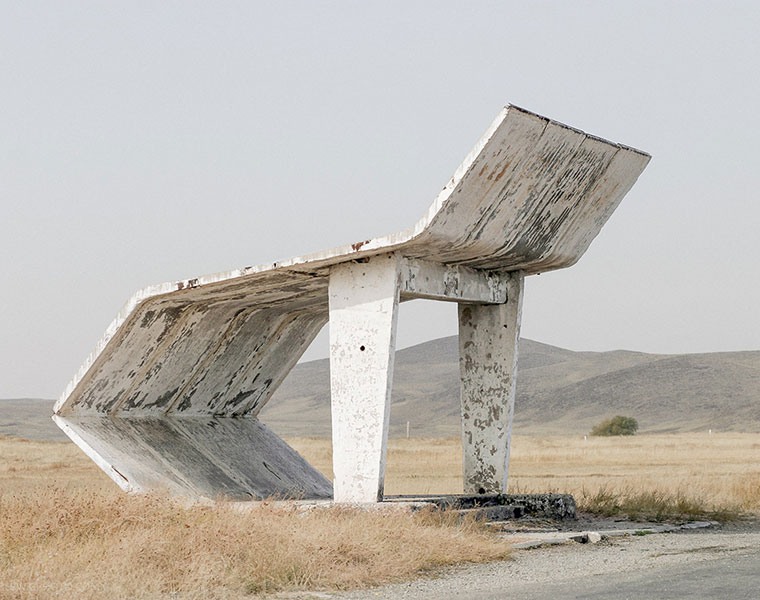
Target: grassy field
66, 531
715, 472
721, 469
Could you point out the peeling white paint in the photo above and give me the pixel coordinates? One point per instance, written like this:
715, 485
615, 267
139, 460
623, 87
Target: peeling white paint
364, 300
488, 336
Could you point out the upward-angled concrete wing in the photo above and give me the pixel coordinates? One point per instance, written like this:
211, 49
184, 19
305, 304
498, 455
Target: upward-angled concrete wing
170, 395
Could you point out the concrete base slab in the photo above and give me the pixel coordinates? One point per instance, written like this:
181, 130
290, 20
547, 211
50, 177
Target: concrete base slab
547, 506
497, 508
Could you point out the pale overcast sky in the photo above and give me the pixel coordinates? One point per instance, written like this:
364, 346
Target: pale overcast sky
142, 142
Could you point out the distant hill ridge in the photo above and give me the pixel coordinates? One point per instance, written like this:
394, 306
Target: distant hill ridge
558, 391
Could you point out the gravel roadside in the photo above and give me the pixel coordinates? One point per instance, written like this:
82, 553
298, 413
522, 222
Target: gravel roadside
572, 570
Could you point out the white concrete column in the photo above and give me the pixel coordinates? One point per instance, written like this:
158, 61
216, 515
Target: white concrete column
363, 313
488, 336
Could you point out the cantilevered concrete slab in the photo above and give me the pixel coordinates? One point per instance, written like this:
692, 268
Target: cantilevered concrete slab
169, 397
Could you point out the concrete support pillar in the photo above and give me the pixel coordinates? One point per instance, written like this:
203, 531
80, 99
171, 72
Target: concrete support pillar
488, 336
364, 300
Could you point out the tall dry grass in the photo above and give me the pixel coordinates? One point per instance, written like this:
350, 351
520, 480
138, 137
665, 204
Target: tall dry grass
65, 544
78, 541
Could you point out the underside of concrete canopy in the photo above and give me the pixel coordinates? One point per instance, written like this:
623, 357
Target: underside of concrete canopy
169, 398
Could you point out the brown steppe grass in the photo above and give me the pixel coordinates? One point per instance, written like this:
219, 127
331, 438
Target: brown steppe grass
66, 531
703, 474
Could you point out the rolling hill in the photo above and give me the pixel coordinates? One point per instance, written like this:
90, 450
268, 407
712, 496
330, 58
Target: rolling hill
558, 391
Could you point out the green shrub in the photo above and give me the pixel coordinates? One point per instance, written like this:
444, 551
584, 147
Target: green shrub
618, 425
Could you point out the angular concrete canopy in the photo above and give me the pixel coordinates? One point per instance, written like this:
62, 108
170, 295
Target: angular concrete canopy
170, 395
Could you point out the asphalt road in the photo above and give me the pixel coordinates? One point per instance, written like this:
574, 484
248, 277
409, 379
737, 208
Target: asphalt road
723, 563
736, 577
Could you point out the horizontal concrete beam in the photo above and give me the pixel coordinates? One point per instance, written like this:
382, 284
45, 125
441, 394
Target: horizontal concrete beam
453, 283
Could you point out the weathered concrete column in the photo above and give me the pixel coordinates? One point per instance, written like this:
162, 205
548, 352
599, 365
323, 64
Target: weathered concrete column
488, 336
364, 300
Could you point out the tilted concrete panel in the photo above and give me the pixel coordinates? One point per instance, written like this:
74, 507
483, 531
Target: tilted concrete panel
170, 395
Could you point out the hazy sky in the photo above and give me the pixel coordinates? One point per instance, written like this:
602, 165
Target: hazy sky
142, 142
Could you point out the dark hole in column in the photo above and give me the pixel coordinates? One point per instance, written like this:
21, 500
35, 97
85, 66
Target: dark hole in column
361, 348
481, 491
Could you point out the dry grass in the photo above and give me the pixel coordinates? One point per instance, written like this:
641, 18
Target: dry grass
695, 474
82, 538
67, 532
62, 544
722, 469
716, 470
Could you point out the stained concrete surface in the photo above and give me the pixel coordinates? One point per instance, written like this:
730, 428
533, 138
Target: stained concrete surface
529, 198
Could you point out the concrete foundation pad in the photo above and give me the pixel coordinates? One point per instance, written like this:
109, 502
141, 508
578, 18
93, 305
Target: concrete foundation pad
547, 506
489, 507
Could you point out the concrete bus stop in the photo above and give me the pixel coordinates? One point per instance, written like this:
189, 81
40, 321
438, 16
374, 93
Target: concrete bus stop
170, 397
